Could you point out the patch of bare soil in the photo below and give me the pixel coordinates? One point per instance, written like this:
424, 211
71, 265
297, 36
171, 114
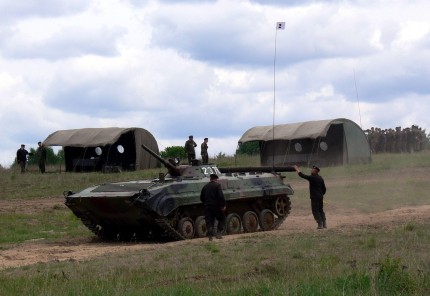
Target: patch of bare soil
22, 206
299, 221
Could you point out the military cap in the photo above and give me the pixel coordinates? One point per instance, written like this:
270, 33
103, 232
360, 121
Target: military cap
213, 176
315, 167
190, 137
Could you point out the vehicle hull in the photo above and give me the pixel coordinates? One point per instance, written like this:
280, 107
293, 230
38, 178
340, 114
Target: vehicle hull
171, 207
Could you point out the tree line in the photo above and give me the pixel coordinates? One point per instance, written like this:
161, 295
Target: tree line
51, 156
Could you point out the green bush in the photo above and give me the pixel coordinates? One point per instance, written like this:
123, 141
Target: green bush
250, 148
173, 152
51, 157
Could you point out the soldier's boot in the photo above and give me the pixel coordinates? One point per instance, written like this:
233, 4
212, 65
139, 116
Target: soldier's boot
219, 233
324, 224
210, 233
320, 225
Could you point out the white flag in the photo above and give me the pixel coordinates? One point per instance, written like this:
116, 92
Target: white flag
280, 26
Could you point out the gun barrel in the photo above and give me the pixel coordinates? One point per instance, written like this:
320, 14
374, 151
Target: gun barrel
173, 170
257, 169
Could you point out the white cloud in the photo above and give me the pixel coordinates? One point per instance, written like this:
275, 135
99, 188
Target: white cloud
17, 10
206, 68
66, 43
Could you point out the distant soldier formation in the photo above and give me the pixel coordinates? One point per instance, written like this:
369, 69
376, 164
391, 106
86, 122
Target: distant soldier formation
407, 140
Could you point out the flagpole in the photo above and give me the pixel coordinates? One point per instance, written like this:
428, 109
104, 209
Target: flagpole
279, 26
358, 101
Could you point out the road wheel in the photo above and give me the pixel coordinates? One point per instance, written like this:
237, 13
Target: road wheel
200, 224
186, 228
233, 224
282, 206
266, 219
250, 221
216, 228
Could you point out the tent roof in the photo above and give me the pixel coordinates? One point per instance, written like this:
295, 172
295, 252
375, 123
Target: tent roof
300, 130
86, 137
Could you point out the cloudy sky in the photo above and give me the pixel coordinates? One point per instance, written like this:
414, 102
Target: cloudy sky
208, 68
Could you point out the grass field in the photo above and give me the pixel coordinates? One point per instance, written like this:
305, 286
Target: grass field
380, 259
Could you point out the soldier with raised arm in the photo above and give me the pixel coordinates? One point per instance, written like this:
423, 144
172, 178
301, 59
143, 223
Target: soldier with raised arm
317, 190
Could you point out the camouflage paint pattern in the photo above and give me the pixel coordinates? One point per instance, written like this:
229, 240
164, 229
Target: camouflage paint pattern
170, 206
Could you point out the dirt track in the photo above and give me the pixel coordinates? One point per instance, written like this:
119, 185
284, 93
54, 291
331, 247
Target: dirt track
299, 221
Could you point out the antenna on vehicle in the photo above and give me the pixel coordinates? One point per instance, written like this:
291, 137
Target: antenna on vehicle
358, 101
279, 26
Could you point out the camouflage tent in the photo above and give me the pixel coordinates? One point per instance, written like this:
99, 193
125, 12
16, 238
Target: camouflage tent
107, 149
323, 142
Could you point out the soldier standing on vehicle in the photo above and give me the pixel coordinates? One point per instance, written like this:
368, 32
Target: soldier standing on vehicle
317, 190
189, 149
214, 204
204, 151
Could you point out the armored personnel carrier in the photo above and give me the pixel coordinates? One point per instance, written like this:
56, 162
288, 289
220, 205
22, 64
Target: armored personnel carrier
170, 206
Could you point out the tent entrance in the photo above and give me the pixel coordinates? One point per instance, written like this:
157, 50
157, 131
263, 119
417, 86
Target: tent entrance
330, 150
118, 156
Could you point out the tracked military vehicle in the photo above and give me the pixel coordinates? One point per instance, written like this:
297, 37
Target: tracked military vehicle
170, 206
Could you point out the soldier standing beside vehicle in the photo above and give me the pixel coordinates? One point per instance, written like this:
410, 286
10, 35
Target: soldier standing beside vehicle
41, 152
317, 190
214, 204
189, 149
204, 151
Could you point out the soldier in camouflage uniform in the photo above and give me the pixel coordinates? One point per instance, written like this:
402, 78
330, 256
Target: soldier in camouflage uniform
204, 151
189, 149
399, 139
41, 152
